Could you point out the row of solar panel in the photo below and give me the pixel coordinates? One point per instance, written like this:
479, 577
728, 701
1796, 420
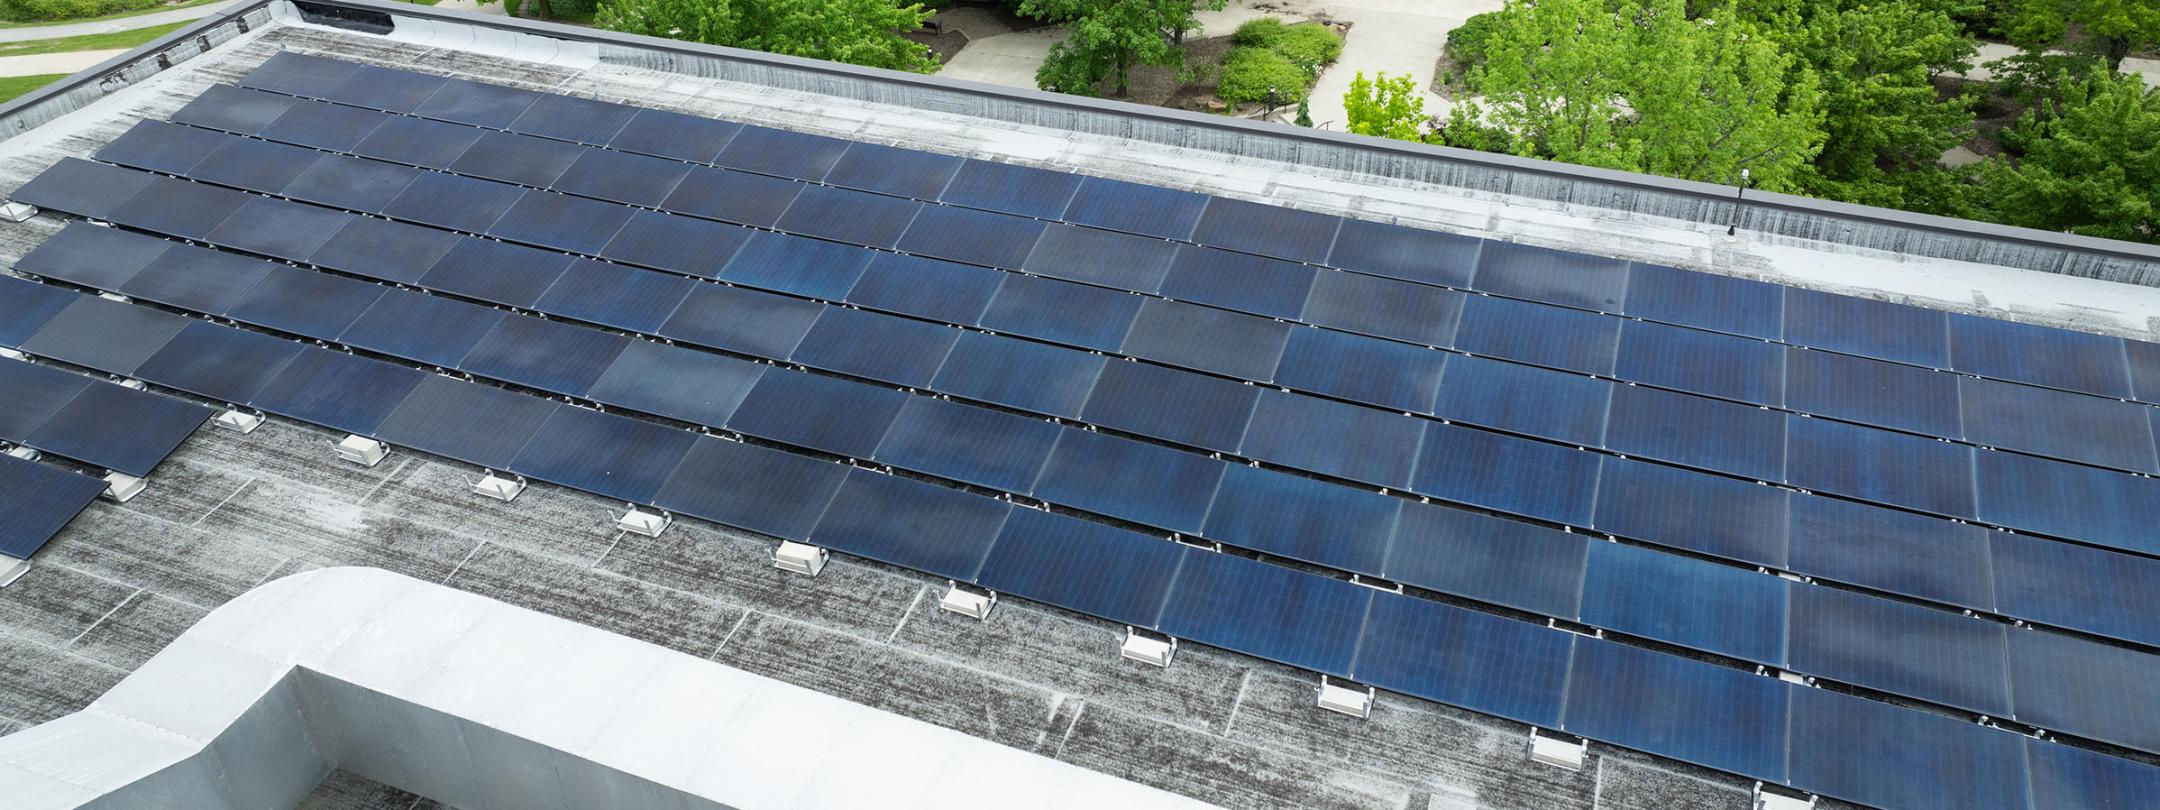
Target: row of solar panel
1987, 412
2056, 358
37, 501
1812, 739
96, 422
1722, 610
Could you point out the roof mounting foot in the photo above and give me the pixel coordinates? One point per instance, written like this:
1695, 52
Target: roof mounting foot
1147, 649
25, 453
967, 603
362, 450
648, 524
1345, 699
121, 487
1766, 800
12, 569
1556, 751
17, 211
12, 354
239, 421
801, 558
500, 488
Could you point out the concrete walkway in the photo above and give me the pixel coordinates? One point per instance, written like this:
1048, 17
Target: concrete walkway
1010, 59
59, 30
1396, 37
1991, 51
49, 63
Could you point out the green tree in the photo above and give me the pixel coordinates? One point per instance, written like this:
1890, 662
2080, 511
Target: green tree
1385, 107
2088, 162
1304, 113
858, 32
1105, 39
1885, 123
2112, 28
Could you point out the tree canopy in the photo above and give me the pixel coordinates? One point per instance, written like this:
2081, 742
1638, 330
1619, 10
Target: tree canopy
1105, 39
2087, 163
858, 32
2112, 28
1385, 107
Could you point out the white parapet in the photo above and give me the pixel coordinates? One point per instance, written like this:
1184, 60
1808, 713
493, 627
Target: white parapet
801, 558
967, 603
1556, 752
505, 489
121, 487
1147, 649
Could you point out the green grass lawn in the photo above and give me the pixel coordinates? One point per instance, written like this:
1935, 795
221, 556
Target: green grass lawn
90, 42
13, 86
121, 15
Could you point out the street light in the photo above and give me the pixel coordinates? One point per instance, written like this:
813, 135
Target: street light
1732, 230
1270, 101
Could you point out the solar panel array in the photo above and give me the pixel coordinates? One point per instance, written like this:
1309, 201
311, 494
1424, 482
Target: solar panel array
36, 501
1430, 410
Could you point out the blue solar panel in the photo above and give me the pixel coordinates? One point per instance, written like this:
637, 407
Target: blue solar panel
1888, 394
2050, 497
1539, 334
1698, 432
928, 288
892, 170
1506, 473
418, 142
1096, 569
1303, 519
324, 126
218, 362
1410, 254
1552, 276
1172, 405
1522, 399
299, 74
278, 229
560, 221
105, 335
1063, 312
1865, 327
1378, 306
359, 185
2039, 355
385, 89
1505, 562
788, 154
100, 258
749, 487
1868, 752
30, 394
821, 413
548, 355
738, 197
1894, 551
929, 528
677, 383
966, 443
1022, 190
82, 187
429, 329
739, 320
450, 201
467, 422
2063, 776
975, 237
25, 307
1881, 466
674, 135
797, 265
1673, 507
520, 159
1390, 375
41, 499
626, 298
1706, 300
2090, 589
1905, 649
676, 244
1285, 233
1134, 208
337, 390
1702, 362
2144, 359
1207, 339
2053, 423
161, 147
854, 217
481, 105
1103, 257
179, 208
571, 118
1493, 665
379, 248
880, 347
233, 109
1019, 374
622, 177
1688, 710
254, 165
1307, 621
1332, 438
1239, 281
2085, 688
1686, 602
497, 272
119, 428
605, 454
1130, 480
303, 302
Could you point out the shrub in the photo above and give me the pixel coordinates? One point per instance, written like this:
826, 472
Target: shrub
1259, 33
1308, 44
47, 10
1247, 73
1466, 44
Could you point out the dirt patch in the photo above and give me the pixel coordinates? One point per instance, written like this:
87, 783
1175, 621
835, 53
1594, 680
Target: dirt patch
1164, 87
942, 44
982, 20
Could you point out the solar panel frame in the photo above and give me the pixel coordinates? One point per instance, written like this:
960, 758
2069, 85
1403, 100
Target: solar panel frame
1894, 551
836, 416
846, 215
2062, 776
30, 394
1171, 405
1062, 312
305, 302
1505, 562
1538, 334
81, 187
974, 237
337, 390
1711, 301
940, 531
1880, 466
1702, 362
453, 202
1733, 519
1308, 621
1507, 474
179, 208
1303, 519
299, 74
626, 298
161, 147
570, 118
892, 170
548, 355
476, 104
732, 196
1284, 233
560, 222
1239, 281
1863, 751
1552, 276
104, 335
379, 88
1698, 431
1142, 483
1878, 329
969, 444
476, 424
1409, 254
753, 488
278, 229
1687, 710
740, 320
676, 244
1333, 438
383, 249
880, 347
496, 272
26, 306
234, 109
926, 288
1384, 308
622, 177
1019, 374
2109, 433
2057, 358
1011, 188
676, 383
2095, 506
368, 186
41, 500
674, 135
2080, 687
1524, 399
799, 155
1107, 258
798, 265
604, 454
2144, 361
1383, 373
222, 363
1686, 602
1878, 392
1207, 339
522, 159
2089, 589
1089, 567
254, 165
1464, 658
431, 329
85, 254
119, 428
1118, 205
322, 125
1900, 648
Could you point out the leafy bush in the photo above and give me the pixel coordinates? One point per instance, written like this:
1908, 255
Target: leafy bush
1307, 44
1248, 72
45, 10
1466, 44
1258, 33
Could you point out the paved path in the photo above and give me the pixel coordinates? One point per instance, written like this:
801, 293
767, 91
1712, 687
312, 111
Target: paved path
1010, 59
58, 30
48, 63
1396, 37
1991, 51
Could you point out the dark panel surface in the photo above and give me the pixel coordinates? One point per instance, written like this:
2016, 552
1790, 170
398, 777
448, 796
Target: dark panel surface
944, 532
2085, 688
277, 228
822, 413
855, 217
198, 279
1062, 311
676, 244
1686, 602
1391, 375
1207, 339
520, 159
1706, 300
40, 500
738, 197
359, 185
1410, 254
2040, 355
1688, 710
1899, 552
429, 329
1303, 519
1702, 362
2090, 589
2144, 361
30, 394
2069, 777
234, 109
1904, 649
2050, 497
497, 272
674, 135
975, 237
1520, 565
749, 487
1101, 257
450, 201
482, 105
881, 347
1874, 391
1673, 507
379, 248
1866, 327
893, 170
1172, 405
1384, 307
1698, 432
1022, 190
1506, 473
1881, 466
418, 141
965, 443
254, 165
161, 147
1493, 665
104, 335
1308, 621
549, 355
742, 320
119, 428
1019, 374
179, 208
468, 422
1333, 438
385, 89
1239, 281
926, 288
323, 126
626, 298
1142, 483
26, 306
2093, 430
304, 302
1523, 399
797, 265
1285, 233
1089, 567
1134, 208
85, 254
605, 454
79, 186
1538, 334
570, 118
560, 221
299, 74
1863, 751
338, 390
1552, 276
222, 363
788, 154
675, 382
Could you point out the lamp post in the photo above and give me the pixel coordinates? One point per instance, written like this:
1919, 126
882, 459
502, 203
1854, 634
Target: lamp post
1270, 102
1732, 229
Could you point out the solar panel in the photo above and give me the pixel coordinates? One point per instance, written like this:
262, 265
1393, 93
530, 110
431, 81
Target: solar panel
1022, 190
892, 170
25, 307
1861, 326
1239, 281
612, 295
303, 302
1102, 257
379, 248
739, 320
1521, 399
1505, 562
855, 217
1702, 362
1390, 375
1062, 312
975, 237
2092, 690
560, 221
970, 444
497, 272
1690, 603
1905, 649
941, 531
1172, 405
1881, 466
480, 105
2144, 359
548, 355
2096, 506
41, 500
1493, 665
82, 187
1285, 233
233, 109
179, 208
104, 335
1134, 208
1539, 334
797, 265
571, 118
450, 201
254, 165
1378, 306
737, 197
385, 89
1888, 394
222, 363
1089, 567
1698, 432
622, 177
1303, 519
2070, 426
30, 394
161, 147
119, 428
1019, 374
1410, 254
1863, 751
424, 328
2059, 358
1207, 339
1687, 710
1142, 483
822, 413
2063, 776
2089, 589
880, 347
674, 135
337, 390
520, 159
467, 422
1672, 507
1895, 551
418, 142
278, 229
298, 74
928, 288
1332, 438
677, 383
1552, 276
676, 244
1307, 621
324, 126
358, 185
1506, 473
1706, 300
605, 454
788, 154
100, 258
